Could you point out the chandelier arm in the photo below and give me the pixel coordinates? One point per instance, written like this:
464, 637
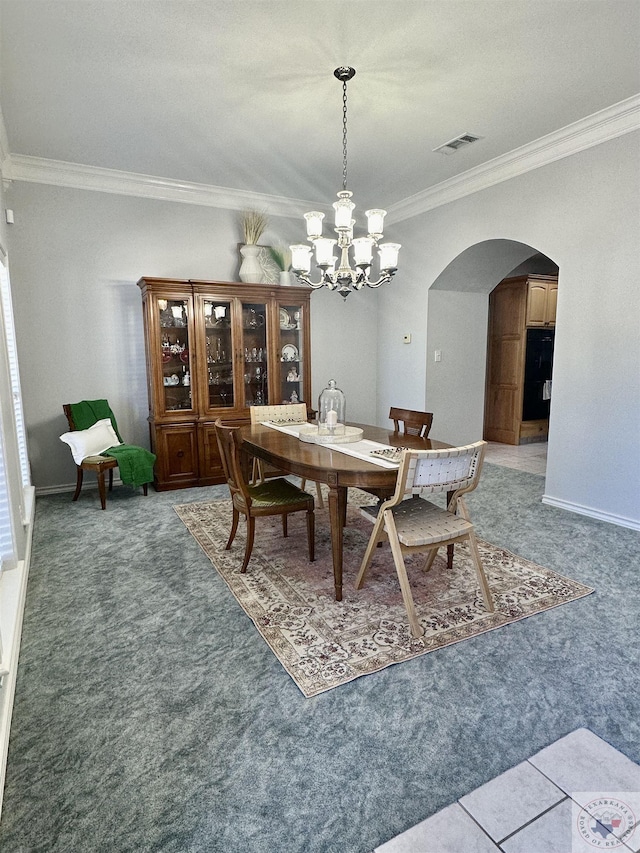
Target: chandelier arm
382, 280
304, 279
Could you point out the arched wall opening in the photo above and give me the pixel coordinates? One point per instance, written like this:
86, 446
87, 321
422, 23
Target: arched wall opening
457, 320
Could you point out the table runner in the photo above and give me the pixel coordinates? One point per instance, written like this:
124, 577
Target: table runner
290, 429
362, 450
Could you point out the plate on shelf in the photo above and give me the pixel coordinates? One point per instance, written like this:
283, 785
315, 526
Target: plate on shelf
285, 319
289, 352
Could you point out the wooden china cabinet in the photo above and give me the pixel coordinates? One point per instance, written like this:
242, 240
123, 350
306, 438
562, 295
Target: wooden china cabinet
213, 349
522, 319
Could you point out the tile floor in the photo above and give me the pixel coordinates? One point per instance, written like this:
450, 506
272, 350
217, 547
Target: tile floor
575, 795
525, 457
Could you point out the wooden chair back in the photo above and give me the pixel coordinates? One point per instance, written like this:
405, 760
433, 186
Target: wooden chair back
229, 447
291, 412
410, 422
67, 410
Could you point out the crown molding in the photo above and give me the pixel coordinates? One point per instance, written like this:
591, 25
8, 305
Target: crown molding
602, 126
21, 167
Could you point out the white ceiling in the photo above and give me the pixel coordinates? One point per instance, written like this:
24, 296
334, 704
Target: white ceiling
241, 94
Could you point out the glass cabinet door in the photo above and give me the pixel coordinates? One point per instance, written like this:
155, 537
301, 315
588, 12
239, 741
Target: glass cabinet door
173, 315
254, 350
292, 379
219, 353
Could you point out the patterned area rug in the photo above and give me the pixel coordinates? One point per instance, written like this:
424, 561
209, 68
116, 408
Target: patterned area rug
323, 643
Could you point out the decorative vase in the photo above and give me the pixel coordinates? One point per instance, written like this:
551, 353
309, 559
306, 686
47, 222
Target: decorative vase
250, 269
285, 278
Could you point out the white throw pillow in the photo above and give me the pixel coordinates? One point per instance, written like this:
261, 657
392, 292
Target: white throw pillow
89, 442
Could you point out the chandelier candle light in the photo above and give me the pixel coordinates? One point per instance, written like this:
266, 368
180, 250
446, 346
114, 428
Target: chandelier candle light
345, 278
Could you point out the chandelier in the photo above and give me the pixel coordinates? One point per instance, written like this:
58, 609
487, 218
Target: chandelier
345, 278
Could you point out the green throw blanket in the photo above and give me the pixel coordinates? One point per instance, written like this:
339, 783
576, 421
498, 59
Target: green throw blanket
135, 463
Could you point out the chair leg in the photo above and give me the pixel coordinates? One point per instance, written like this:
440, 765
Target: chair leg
484, 586
234, 528
284, 525
79, 476
319, 498
430, 558
376, 537
398, 559
251, 529
110, 479
257, 475
311, 534
450, 556
101, 490
145, 490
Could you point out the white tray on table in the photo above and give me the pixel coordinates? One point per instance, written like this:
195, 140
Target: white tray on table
341, 435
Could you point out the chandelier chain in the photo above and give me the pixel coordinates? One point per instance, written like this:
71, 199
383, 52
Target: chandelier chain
344, 134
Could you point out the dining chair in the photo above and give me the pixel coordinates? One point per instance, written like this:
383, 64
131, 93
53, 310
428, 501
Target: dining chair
292, 413
92, 431
271, 497
412, 524
410, 422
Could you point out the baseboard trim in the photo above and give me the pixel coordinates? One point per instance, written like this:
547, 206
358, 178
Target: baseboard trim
590, 512
70, 487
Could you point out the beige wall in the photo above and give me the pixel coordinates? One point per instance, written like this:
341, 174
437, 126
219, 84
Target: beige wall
75, 259
584, 213
76, 255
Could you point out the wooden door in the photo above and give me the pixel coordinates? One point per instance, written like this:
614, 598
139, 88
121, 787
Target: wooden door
505, 369
542, 297
176, 448
552, 302
537, 303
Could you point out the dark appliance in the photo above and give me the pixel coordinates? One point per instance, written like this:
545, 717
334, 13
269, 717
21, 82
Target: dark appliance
538, 368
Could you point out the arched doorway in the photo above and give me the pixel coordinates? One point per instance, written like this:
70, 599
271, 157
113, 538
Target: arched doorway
457, 325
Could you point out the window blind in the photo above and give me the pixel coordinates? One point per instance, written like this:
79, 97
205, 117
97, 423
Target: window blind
14, 372
14, 460
7, 556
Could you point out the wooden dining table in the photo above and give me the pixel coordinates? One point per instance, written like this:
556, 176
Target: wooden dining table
338, 470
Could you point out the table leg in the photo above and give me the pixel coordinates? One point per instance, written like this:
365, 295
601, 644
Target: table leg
337, 511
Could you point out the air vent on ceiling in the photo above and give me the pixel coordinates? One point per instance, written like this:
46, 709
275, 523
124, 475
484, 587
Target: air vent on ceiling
459, 142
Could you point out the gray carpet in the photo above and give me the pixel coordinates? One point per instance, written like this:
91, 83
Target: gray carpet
151, 716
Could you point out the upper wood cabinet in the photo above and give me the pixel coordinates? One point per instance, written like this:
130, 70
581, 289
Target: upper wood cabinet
213, 349
542, 299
